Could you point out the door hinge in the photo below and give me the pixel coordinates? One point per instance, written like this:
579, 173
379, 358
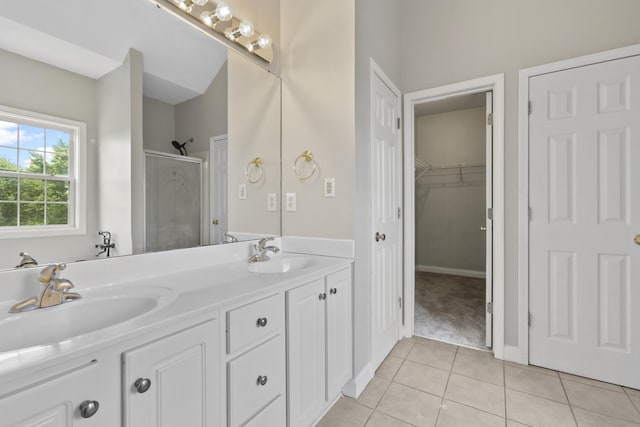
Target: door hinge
490, 307
398, 123
529, 317
490, 213
400, 303
399, 213
529, 107
490, 119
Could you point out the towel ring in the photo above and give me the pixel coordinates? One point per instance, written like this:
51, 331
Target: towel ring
253, 164
307, 156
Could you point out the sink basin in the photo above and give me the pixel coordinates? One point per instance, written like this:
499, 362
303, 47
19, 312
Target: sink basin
281, 264
97, 310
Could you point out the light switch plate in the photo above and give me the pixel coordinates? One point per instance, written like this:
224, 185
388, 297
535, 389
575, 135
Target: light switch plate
272, 202
329, 187
291, 202
242, 191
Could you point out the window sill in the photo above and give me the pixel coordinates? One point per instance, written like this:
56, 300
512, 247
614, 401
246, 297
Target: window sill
24, 232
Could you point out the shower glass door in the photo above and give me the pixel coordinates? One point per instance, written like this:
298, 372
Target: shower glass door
173, 202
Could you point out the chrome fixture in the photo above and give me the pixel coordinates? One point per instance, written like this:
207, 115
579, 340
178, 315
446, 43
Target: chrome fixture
54, 291
260, 250
106, 244
217, 20
27, 261
230, 238
182, 148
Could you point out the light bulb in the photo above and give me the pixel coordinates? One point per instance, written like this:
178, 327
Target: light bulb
246, 28
207, 17
264, 41
223, 12
185, 5
200, 2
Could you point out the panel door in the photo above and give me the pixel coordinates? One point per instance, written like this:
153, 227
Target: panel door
386, 232
218, 203
57, 403
339, 331
584, 279
306, 344
184, 372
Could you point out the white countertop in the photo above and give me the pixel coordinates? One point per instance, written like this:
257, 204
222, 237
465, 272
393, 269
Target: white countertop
195, 293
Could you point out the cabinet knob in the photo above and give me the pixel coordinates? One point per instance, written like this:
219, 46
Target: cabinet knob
142, 385
262, 380
88, 408
380, 236
262, 322
333, 291
322, 296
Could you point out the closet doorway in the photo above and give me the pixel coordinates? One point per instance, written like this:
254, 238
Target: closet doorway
453, 260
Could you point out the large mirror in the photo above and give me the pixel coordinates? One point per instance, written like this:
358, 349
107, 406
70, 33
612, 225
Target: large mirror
182, 142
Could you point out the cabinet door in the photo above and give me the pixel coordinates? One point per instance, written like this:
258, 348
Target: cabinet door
306, 339
57, 403
184, 374
339, 327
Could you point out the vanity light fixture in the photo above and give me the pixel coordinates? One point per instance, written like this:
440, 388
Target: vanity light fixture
218, 21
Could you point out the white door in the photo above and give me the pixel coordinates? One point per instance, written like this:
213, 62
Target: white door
218, 151
488, 227
584, 280
386, 217
174, 381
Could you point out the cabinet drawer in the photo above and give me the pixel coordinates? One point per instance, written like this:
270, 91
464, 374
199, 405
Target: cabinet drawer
274, 415
247, 396
253, 321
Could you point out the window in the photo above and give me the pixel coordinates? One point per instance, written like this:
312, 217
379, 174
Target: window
41, 175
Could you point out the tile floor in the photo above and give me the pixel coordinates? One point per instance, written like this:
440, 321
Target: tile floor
430, 383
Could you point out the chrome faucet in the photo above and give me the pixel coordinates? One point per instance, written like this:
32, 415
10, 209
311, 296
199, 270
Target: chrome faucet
106, 244
230, 238
260, 250
27, 261
54, 291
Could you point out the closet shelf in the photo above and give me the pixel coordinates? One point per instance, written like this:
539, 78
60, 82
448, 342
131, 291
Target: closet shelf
421, 168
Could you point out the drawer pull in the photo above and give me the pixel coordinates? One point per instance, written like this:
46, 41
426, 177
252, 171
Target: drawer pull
262, 380
262, 322
333, 291
142, 385
88, 408
322, 296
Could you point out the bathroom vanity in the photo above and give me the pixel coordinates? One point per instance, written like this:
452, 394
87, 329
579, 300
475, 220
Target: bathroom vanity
194, 343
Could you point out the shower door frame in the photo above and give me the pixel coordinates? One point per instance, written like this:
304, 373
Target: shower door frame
155, 153
494, 83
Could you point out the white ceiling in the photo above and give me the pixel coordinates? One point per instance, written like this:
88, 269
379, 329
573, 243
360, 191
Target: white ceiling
92, 37
447, 105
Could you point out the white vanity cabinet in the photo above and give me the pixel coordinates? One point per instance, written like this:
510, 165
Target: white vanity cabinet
174, 381
78, 397
319, 345
256, 364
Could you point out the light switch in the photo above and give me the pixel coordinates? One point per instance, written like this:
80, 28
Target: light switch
242, 191
272, 202
329, 187
291, 202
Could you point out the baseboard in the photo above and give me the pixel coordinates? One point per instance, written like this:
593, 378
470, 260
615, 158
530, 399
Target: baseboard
356, 385
451, 271
512, 353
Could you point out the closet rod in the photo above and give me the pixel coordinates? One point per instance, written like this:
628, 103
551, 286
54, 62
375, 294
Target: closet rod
457, 165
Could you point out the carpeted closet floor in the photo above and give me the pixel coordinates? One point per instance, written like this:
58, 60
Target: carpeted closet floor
450, 308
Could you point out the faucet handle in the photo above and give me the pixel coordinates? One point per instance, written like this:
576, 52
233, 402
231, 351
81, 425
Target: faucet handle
263, 241
48, 273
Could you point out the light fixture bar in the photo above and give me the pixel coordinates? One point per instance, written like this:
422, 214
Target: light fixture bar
222, 26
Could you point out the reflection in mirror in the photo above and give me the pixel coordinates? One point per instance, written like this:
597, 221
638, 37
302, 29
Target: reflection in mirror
222, 111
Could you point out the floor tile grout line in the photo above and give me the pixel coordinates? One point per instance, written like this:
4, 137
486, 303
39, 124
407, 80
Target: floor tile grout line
575, 419
624, 390
444, 392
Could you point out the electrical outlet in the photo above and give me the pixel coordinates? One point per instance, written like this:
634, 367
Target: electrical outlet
329, 187
242, 191
291, 202
272, 202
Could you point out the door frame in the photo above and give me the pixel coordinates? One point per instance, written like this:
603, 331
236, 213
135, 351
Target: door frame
493, 83
376, 72
522, 355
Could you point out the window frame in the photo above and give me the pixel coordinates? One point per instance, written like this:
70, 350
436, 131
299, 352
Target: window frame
77, 174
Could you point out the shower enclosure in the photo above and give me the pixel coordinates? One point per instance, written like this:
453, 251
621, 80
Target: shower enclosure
173, 201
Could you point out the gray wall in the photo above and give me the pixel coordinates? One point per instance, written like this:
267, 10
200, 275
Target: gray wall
449, 214
38, 87
449, 41
158, 125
